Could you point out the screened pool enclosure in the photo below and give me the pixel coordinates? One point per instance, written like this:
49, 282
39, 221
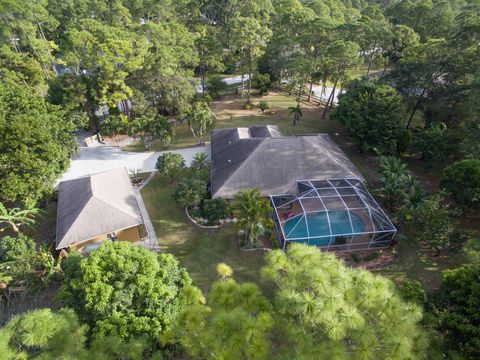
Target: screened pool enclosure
333, 214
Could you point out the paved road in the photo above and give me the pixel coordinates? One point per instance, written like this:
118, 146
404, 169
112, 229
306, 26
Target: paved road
91, 160
229, 81
317, 90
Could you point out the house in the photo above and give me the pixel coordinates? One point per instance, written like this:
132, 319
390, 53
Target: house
317, 195
261, 157
96, 208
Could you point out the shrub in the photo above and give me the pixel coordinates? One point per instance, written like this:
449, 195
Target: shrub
458, 238
262, 83
462, 180
413, 291
370, 257
374, 116
215, 210
248, 106
435, 222
340, 240
263, 106
434, 143
190, 192
22, 252
169, 164
216, 86
456, 306
356, 257
115, 125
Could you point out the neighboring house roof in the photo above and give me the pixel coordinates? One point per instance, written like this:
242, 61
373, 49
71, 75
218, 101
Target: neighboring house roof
94, 206
261, 157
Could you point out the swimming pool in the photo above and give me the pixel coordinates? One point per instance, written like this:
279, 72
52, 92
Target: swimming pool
318, 225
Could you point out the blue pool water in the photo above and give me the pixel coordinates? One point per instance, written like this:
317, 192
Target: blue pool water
296, 228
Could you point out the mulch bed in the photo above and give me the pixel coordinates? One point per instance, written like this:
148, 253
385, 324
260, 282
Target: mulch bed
386, 257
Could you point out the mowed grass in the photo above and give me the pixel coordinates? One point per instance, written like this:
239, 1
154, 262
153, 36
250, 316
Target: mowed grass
230, 113
199, 251
417, 263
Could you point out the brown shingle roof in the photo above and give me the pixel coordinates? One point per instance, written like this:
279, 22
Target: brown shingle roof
272, 163
94, 206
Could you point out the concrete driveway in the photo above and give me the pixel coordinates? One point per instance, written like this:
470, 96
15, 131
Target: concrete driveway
91, 160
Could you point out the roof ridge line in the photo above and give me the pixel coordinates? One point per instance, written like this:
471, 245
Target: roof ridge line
79, 214
262, 140
112, 206
325, 152
86, 205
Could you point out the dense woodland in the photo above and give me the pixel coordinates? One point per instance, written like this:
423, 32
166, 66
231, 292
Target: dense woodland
418, 100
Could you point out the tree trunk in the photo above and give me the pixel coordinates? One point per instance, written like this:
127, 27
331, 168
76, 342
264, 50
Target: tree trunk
322, 90
202, 71
326, 106
311, 75
417, 104
330, 98
333, 94
371, 58
385, 68
93, 118
249, 75
310, 89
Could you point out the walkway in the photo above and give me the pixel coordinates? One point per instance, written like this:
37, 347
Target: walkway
151, 242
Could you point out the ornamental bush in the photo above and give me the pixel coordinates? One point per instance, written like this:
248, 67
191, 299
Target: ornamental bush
190, 192
462, 180
169, 164
215, 210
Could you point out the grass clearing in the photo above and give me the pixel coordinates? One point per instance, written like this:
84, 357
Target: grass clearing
230, 113
198, 250
417, 263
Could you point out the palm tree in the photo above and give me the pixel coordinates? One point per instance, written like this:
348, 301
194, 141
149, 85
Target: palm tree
16, 217
199, 118
200, 162
395, 179
161, 128
253, 214
412, 199
392, 165
297, 113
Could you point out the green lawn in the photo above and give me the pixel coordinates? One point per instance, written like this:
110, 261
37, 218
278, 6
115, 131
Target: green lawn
229, 113
198, 250
416, 263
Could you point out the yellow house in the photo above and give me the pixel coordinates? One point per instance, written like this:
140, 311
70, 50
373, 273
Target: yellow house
96, 208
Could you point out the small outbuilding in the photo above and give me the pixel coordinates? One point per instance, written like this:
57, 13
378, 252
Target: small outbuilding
95, 208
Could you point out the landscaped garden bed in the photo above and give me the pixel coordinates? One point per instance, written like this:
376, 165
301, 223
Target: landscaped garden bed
370, 259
